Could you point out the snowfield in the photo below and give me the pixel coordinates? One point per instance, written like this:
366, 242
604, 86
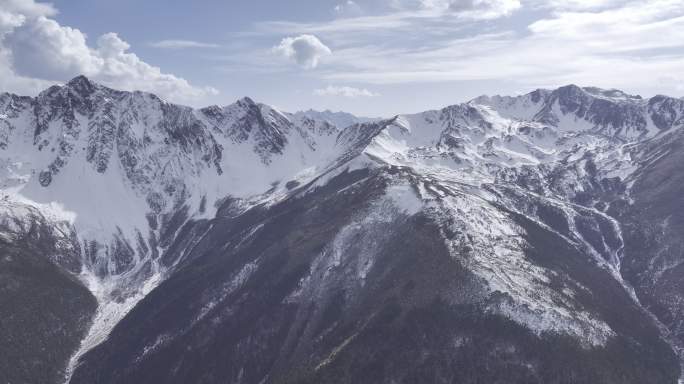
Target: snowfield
125, 172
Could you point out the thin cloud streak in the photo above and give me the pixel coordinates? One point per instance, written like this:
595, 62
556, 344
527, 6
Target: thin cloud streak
182, 44
344, 91
605, 44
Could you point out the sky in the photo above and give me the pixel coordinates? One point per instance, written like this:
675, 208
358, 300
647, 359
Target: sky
368, 57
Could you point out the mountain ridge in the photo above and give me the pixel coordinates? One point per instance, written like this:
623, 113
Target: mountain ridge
561, 163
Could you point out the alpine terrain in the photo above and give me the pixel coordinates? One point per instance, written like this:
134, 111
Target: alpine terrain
528, 239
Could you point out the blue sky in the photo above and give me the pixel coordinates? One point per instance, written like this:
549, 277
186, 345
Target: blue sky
369, 57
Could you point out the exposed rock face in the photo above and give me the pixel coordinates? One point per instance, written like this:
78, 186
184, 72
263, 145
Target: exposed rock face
530, 239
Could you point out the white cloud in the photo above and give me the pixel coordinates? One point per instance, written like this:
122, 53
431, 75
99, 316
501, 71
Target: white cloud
620, 44
485, 9
577, 5
36, 50
13, 13
344, 91
471, 9
306, 50
348, 8
29, 8
44, 49
672, 82
9, 21
127, 71
182, 44
384, 22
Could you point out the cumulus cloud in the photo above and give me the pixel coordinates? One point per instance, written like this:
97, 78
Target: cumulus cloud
182, 44
29, 8
305, 50
127, 71
14, 13
36, 50
44, 49
9, 21
344, 91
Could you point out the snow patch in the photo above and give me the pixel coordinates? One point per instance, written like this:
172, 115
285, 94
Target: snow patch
492, 247
405, 199
109, 312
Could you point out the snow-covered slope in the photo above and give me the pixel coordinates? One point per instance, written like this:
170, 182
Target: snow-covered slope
114, 163
126, 170
137, 183
338, 119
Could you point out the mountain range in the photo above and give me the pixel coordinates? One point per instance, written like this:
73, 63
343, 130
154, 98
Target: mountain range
524, 239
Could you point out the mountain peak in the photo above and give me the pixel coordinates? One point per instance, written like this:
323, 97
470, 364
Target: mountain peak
565, 93
490, 190
246, 102
80, 79
570, 90
82, 84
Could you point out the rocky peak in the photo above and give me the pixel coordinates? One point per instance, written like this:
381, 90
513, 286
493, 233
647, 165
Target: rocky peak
666, 112
539, 95
570, 91
11, 104
82, 85
571, 107
571, 99
150, 173
246, 120
246, 102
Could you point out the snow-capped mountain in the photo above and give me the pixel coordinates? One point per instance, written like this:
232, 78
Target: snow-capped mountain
118, 163
338, 119
537, 234
124, 171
